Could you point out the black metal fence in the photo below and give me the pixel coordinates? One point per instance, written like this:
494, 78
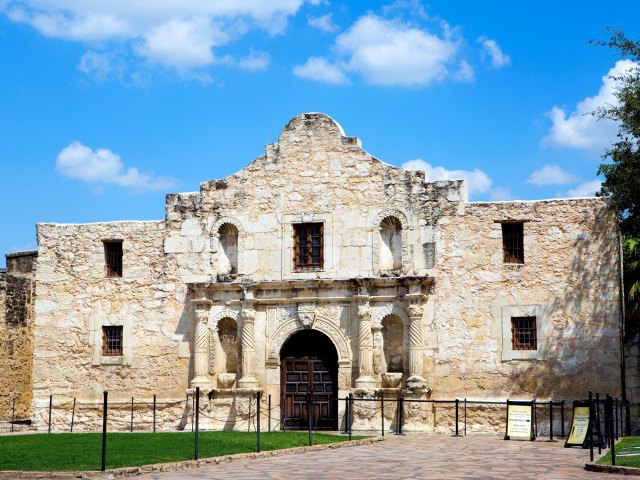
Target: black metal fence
609, 418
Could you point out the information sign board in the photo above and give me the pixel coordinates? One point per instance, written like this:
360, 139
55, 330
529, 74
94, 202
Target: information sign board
579, 425
520, 420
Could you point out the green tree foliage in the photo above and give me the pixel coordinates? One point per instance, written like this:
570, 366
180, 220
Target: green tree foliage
621, 169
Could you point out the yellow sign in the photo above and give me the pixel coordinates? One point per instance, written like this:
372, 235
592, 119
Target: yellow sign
579, 426
519, 421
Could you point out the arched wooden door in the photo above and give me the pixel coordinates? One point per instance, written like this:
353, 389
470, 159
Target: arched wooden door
309, 364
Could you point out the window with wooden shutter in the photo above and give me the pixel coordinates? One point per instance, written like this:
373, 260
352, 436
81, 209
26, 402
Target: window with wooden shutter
308, 246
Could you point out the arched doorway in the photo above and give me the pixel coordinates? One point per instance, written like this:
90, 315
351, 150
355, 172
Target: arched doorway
309, 364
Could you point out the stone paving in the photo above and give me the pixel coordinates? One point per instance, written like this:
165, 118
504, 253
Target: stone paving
415, 457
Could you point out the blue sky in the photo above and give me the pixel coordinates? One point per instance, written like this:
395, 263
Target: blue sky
106, 106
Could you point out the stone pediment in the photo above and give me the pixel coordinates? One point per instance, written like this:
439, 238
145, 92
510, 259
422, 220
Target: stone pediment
312, 156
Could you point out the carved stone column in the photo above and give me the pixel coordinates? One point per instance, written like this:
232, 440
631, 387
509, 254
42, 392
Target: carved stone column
248, 314
201, 308
416, 343
365, 341
379, 362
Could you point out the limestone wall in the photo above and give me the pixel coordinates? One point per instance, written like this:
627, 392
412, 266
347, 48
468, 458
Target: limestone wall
17, 292
569, 279
312, 174
76, 300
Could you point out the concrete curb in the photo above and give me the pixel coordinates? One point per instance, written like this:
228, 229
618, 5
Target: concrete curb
594, 467
185, 464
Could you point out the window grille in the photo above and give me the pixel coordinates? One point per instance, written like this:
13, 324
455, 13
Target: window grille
112, 341
308, 246
513, 242
523, 333
113, 258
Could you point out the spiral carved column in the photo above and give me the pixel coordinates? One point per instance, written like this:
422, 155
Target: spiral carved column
201, 343
365, 343
415, 380
248, 379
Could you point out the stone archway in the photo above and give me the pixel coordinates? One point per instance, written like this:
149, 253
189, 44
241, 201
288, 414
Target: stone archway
309, 373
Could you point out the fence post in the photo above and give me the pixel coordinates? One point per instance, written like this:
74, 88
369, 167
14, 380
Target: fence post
104, 431
627, 420
401, 414
154, 413
73, 413
258, 419
562, 418
457, 434
598, 423
193, 407
591, 425
465, 417
346, 414
197, 412
50, 404
13, 413
615, 416
611, 428
131, 427
382, 409
350, 415
269, 415
551, 422
309, 417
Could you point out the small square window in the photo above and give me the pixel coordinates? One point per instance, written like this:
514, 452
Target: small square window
523, 333
113, 258
308, 246
513, 242
112, 341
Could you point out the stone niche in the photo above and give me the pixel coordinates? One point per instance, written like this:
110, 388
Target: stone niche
390, 244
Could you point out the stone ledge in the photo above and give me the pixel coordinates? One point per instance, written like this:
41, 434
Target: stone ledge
181, 465
594, 467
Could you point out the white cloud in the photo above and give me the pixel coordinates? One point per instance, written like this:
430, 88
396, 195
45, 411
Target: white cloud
551, 175
491, 48
579, 129
324, 23
477, 180
391, 52
175, 33
318, 68
254, 61
500, 194
101, 66
102, 166
465, 72
586, 189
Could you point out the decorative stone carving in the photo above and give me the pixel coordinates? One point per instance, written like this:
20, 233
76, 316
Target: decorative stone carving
248, 315
278, 315
226, 380
415, 380
365, 344
288, 328
307, 314
201, 308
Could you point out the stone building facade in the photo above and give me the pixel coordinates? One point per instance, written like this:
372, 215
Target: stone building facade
320, 268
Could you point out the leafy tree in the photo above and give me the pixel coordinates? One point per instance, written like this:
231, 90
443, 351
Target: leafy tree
622, 172
621, 168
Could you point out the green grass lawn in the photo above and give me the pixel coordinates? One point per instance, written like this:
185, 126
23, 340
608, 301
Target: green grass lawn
82, 451
624, 445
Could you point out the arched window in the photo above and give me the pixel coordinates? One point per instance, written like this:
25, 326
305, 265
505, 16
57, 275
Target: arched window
390, 244
228, 251
392, 334
228, 335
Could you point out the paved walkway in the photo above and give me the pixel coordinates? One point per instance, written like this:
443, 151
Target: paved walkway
415, 457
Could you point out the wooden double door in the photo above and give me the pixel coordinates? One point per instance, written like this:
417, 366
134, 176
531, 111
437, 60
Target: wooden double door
309, 380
